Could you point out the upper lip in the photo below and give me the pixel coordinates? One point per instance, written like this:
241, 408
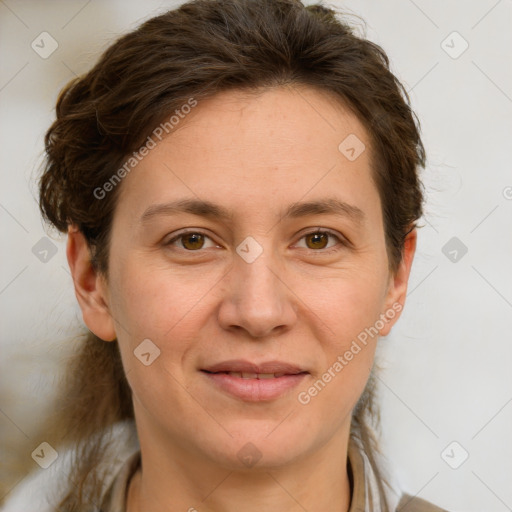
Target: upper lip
239, 365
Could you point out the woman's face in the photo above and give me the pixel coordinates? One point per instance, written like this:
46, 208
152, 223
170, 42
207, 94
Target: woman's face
252, 288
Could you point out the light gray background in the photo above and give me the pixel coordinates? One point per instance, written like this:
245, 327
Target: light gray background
446, 364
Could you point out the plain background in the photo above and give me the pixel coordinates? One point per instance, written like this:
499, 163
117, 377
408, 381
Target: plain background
446, 366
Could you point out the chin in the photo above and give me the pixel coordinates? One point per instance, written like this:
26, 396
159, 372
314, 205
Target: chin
252, 449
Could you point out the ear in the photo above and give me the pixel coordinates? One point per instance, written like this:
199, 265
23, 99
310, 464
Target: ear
397, 289
90, 287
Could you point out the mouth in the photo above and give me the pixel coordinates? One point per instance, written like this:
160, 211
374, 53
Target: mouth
254, 382
242, 366
251, 375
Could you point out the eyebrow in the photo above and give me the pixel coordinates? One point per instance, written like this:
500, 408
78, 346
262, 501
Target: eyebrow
329, 206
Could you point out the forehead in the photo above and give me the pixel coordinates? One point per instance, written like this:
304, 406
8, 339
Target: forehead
273, 126
257, 148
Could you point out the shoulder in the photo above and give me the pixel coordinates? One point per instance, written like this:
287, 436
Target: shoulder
39, 491
42, 489
366, 492
410, 503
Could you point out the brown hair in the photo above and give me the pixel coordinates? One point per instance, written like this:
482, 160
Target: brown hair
196, 51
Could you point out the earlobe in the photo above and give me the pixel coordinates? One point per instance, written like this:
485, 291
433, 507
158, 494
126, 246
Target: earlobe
90, 287
397, 291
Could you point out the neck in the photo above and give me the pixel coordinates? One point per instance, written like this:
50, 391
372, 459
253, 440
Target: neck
317, 482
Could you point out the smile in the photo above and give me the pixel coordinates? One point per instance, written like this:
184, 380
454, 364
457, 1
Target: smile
254, 387
248, 375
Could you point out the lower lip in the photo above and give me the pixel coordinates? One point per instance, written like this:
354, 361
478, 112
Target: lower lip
255, 390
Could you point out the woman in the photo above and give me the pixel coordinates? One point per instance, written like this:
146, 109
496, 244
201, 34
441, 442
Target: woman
239, 184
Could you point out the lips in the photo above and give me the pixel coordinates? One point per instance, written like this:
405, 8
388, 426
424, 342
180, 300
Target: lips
254, 382
250, 375
277, 368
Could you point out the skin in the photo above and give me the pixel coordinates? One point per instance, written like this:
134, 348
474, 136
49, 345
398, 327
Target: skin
298, 302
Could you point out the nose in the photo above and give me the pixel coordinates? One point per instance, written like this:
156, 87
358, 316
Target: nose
256, 299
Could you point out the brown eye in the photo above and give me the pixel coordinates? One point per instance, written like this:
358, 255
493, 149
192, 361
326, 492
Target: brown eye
317, 240
322, 242
192, 241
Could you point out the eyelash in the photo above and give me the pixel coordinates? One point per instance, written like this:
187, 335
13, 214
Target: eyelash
341, 241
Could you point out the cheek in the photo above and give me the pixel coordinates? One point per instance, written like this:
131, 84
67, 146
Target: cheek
351, 310
154, 304
158, 303
347, 355
350, 305
350, 347
166, 308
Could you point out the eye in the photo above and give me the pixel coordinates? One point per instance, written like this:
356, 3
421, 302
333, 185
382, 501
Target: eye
190, 241
319, 239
